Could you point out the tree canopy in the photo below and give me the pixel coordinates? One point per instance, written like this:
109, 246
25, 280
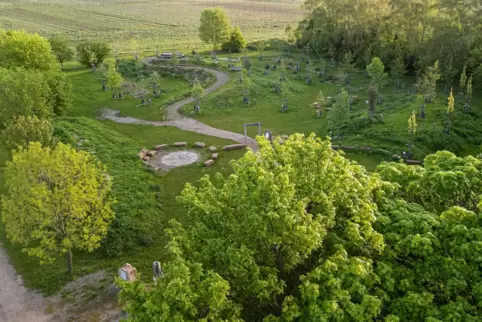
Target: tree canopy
23, 130
421, 32
89, 53
214, 26
300, 233
61, 49
57, 200
236, 42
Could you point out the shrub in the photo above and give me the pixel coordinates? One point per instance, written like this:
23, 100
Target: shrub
236, 41
92, 52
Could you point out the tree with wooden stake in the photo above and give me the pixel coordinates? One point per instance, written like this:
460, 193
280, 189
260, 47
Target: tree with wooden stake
412, 129
262, 45
198, 93
246, 86
468, 94
56, 200
114, 80
398, 70
320, 103
463, 81
450, 110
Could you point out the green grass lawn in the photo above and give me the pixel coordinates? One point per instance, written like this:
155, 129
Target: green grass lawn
225, 109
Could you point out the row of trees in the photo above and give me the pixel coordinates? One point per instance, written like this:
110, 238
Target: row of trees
57, 199
415, 32
88, 53
299, 233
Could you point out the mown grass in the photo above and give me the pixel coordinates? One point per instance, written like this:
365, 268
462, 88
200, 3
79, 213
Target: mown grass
146, 200
225, 109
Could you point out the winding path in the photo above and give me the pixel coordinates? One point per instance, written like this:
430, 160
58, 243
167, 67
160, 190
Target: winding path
174, 118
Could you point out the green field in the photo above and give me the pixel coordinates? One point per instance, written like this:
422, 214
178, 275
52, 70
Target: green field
165, 24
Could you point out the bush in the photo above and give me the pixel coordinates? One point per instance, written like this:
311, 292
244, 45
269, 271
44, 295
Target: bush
92, 52
437, 140
236, 41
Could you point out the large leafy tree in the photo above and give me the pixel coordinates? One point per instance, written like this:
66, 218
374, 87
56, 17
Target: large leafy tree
214, 26
32, 53
89, 53
188, 292
300, 233
57, 200
24, 92
61, 49
114, 78
23, 130
24, 50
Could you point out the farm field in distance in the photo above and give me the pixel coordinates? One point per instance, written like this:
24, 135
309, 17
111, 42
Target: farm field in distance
165, 24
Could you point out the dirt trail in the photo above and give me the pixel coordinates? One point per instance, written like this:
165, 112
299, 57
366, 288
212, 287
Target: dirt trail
17, 303
174, 118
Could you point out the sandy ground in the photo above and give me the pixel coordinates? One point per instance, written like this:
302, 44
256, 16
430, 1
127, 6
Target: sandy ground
17, 303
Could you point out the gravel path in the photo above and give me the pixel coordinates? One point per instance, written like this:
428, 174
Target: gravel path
174, 118
17, 303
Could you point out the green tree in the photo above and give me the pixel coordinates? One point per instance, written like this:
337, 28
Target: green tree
214, 26
376, 72
427, 82
197, 91
188, 292
321, 102
340, 111
61, 93
236, 42
348, 63
468, 94
57, 200
89, 53
23, 50
412, 125
398, 69
114, 79
61, 49
262, 45
372, 100
24, 92
23, 130
463, 80
448, 72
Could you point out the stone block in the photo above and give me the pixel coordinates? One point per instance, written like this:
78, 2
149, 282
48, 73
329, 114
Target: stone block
146, 158
180, 144
150, 153
199, 145
212, 149
209, 163
128, 272
214, 156
234, 147
161, 147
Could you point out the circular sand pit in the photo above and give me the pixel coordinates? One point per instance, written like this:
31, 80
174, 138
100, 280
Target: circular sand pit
179, 158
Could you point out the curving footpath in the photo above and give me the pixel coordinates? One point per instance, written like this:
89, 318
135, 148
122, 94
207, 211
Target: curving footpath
174, 118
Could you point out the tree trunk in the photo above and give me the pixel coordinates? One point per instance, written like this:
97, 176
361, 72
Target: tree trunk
69, 262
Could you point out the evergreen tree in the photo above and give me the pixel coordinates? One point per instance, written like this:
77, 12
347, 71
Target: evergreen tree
468, 95
463, 80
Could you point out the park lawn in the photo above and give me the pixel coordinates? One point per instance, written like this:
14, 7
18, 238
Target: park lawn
89, 98
145, 198
225, 109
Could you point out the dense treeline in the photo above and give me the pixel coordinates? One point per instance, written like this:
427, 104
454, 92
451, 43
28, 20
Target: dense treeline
419, 31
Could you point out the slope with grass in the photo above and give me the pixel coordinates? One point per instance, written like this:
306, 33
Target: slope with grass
146, 200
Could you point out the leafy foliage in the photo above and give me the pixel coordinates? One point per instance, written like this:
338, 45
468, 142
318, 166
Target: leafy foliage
214, 26
376, 71
236, 42
61, 49
19, 49
427, 82
23, 130
57, 200
339, 113
299, 233
24, 92
197, 90
89, 53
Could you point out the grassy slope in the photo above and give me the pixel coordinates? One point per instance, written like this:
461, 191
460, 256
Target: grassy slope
224, 109
147, 197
